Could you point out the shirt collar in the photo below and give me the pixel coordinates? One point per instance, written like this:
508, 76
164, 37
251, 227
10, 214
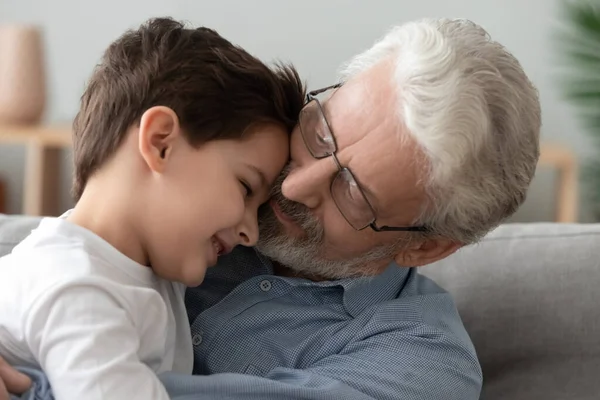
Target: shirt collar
359, 293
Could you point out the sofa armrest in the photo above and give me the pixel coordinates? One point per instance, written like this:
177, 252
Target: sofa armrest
529, 296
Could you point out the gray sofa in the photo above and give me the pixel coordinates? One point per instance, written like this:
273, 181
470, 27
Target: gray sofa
529, 295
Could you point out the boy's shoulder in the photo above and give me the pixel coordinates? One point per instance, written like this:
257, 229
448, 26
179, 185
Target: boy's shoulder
53, 249
46, 251
41, 265
58, 253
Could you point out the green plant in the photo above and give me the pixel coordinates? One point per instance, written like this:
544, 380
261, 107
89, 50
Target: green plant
579, 46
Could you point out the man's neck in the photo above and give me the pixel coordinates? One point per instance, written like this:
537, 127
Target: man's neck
371, 269
282, 270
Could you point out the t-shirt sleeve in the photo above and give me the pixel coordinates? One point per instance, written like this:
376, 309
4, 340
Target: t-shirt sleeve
86, 343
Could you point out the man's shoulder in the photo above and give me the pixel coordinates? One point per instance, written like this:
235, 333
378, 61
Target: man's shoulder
422, 321
421, 300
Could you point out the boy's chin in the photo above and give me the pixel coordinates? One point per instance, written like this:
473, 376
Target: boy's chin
191, 274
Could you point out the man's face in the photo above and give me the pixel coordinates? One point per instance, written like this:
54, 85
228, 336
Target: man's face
303, 228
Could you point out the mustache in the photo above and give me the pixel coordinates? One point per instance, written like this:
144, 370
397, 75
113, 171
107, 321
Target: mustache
298, 212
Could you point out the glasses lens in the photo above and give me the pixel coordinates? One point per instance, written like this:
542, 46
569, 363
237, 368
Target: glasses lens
315, 131
351, 200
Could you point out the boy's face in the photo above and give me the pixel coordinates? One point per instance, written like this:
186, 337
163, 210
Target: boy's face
206, 199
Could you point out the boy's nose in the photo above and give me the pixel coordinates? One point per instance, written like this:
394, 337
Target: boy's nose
247, 231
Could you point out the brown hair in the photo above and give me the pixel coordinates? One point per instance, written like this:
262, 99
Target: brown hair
217, 90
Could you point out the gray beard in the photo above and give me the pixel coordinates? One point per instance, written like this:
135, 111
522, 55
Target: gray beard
304, 254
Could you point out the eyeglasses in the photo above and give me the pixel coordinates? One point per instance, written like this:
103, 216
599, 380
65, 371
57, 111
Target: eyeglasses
347, 194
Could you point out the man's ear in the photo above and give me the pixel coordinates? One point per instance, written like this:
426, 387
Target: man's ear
426, 251
159, 129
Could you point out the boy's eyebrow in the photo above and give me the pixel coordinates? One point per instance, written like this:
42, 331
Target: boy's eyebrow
261, 175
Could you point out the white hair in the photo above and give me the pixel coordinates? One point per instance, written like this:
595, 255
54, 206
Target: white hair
474, 113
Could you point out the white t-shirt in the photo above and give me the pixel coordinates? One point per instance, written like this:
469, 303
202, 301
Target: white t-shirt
99, 324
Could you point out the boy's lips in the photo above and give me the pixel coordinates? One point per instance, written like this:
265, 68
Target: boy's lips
220, 246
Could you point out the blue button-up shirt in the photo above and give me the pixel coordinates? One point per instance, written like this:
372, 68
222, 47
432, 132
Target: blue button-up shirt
259, 336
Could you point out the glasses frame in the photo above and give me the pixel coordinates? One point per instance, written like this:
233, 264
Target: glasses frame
310, 97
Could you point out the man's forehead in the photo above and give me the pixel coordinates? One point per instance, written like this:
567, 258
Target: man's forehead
364, 119
389, 165
361, 106
372, 85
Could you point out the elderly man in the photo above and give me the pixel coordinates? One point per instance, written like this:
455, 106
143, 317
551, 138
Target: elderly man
430, 141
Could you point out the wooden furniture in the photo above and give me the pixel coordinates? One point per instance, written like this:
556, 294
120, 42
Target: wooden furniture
564, 162
42, 170
2, 197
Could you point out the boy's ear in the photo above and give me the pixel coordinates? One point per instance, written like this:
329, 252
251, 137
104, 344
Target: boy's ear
159, 129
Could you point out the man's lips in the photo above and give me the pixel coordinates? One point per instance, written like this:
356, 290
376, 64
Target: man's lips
291, 226
281, 216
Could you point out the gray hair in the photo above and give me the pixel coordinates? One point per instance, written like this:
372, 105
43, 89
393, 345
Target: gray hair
474, 113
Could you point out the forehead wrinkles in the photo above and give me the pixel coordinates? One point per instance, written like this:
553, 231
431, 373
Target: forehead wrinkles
372, 142
360, 112
363, 104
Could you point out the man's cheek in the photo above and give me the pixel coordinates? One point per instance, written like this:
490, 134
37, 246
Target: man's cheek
336, 230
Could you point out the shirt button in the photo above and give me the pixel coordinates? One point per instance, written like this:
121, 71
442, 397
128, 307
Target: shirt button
196, 340
265, 285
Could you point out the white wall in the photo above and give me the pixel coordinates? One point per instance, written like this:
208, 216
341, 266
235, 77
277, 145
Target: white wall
315, 35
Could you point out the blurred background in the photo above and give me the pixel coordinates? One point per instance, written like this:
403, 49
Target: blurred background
56, 45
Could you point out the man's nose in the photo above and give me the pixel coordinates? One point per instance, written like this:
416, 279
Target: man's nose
309, 183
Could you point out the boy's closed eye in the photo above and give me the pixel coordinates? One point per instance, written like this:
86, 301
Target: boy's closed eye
247, 188
258, 184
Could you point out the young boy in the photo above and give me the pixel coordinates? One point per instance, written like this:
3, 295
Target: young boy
179, 137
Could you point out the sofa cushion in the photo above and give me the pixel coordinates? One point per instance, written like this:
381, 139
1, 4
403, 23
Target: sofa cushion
529, 295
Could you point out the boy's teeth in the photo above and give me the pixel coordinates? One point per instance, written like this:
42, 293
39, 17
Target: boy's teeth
218, 246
